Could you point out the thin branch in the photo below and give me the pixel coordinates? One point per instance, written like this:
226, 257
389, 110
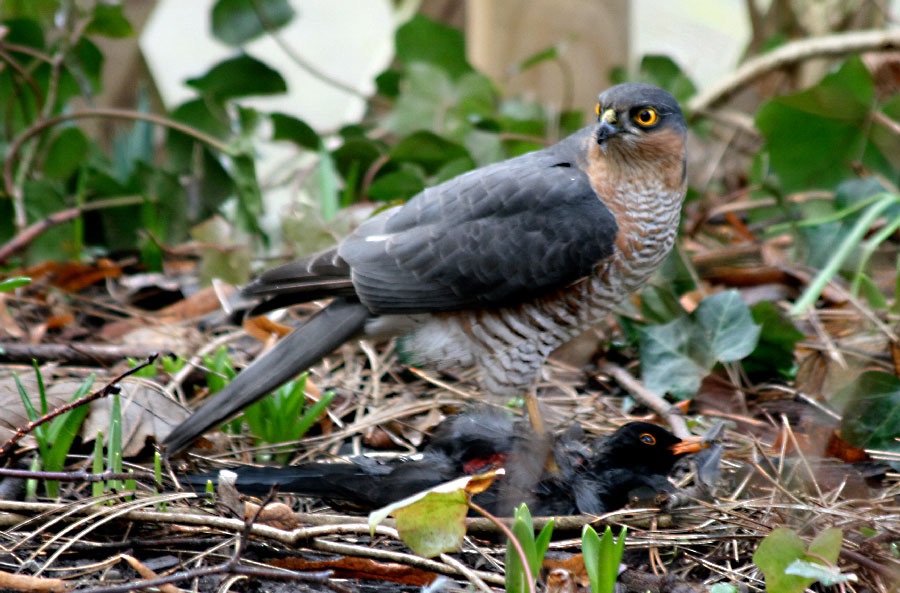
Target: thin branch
109, 388
792, 53
671, 413
10, 186
24, 237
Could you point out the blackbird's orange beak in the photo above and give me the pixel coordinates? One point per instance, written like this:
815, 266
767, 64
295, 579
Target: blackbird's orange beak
689, 445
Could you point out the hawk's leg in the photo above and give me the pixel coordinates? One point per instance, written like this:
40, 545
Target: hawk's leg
537, 425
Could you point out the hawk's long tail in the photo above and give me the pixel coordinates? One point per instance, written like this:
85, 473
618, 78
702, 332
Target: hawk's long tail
296, 352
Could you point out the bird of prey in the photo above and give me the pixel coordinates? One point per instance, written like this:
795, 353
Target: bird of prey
591, 477
494, 268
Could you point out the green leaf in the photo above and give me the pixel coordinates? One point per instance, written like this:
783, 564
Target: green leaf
775, 350
10, 284
356, 153
397, 185
235, 22
66, 153
674, 358
33, 415
108, 20
661, 71
241, 76
728, 325
292, 129
97, 465
659, 304
602, 556
250, 202
541, 545
816, 137
827, 544
423, 40
664, 72
431, 522
428, 150
46, 196
782, 548
84, 64
431, 99
65, 428
677, 355
775, 553
871, 417
533, 550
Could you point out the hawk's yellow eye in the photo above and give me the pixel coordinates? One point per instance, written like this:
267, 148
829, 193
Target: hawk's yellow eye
597, 108
646, 437
646, 116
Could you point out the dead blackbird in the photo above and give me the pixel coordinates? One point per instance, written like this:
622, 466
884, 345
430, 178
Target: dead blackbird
589, 478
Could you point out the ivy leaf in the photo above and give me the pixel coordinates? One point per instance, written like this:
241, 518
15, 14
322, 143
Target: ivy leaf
728, 325
661, 71
241, 76
816, 137
421, 40
674, 358
66, 153
783, 548
775, 553
288, 127
235, 22
677, 355
431, 99
428, 150
397, 185
777, 338
871, 417
108, 20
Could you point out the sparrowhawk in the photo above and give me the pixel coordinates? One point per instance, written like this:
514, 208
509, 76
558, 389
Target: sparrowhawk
496, 267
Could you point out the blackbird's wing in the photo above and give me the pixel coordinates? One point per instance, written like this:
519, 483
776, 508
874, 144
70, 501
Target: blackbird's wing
493, 236
364, 483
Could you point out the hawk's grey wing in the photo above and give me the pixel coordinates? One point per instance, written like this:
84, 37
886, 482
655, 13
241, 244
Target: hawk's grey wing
493, 236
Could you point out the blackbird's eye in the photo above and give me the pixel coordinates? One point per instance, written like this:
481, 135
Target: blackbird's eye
646, 117
647, 438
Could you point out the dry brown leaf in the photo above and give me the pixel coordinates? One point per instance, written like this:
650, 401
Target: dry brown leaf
350, 567
275, 514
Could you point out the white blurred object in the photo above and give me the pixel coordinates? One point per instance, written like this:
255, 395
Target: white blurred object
350, 41
705, 37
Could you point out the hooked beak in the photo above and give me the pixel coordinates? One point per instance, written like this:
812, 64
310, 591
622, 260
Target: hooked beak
608, 127
689, 445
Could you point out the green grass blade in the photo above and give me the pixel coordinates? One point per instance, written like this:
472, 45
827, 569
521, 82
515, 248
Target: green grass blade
97, 488
590, 550
851, 241
32, 414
